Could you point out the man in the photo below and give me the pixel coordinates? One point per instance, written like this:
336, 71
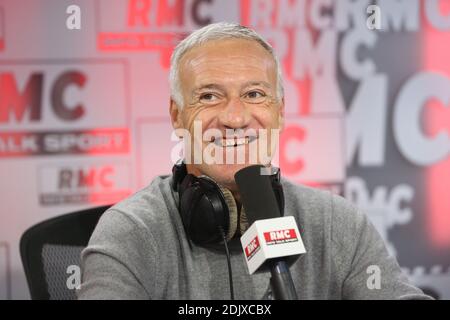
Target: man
225, 77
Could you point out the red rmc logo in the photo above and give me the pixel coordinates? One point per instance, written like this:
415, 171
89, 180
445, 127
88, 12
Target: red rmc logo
280, 235
252, 247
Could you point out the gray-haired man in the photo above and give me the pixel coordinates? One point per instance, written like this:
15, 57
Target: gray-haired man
226, 77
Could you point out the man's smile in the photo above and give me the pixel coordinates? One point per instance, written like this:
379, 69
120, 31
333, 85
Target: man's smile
233, 141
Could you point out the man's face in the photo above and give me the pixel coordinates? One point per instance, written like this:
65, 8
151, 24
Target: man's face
228, 84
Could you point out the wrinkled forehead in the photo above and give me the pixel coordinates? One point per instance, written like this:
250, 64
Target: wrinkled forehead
227, 54
228, 43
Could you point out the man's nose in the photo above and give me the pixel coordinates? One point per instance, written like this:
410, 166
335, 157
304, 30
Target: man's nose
235, 114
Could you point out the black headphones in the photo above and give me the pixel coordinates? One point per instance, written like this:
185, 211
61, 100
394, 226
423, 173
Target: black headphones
207, 208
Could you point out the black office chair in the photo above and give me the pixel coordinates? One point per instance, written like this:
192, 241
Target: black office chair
50, 247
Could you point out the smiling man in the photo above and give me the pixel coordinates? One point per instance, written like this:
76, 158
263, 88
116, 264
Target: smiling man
226, 84
232, 85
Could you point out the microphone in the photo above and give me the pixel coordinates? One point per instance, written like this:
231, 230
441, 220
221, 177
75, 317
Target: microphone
272, 242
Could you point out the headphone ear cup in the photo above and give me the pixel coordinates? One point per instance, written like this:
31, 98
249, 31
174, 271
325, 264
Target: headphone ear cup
243, 221
204, 207
188, 200
199, 216
232, 212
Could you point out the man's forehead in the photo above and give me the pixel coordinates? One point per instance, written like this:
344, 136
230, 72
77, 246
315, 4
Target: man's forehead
225, 48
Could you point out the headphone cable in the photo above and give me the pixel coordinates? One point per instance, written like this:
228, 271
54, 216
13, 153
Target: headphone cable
230, 272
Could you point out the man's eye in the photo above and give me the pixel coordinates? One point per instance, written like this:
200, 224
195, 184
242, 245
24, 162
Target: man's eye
255, 95
208, 97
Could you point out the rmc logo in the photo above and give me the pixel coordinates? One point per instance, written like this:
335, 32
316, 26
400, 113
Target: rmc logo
59, 111
79, 183
15, 103
280, 236
252, 248
156, 25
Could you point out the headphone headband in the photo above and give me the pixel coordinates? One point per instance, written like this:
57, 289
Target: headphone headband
179, 172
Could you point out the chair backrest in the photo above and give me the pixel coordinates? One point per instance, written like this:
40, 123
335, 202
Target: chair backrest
51, 248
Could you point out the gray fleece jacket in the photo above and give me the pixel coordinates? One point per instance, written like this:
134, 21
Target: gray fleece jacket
139, 250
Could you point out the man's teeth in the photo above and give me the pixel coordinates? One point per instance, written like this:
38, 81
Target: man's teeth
233, 142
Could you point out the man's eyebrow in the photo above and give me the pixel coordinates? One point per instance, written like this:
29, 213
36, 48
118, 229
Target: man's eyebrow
257, 83
209, 86
219, 87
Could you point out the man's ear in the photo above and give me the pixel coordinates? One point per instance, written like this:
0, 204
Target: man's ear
281, 115
175, 115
